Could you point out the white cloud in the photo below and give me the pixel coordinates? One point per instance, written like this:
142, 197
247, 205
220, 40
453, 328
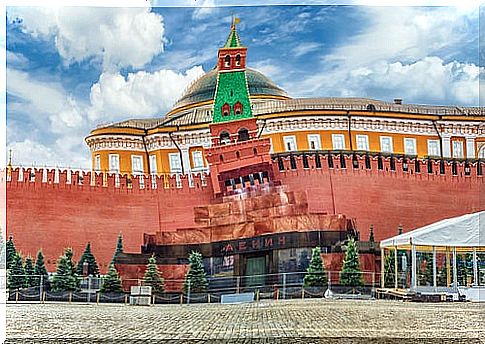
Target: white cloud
305, 48
429, 78
118, 37
205, 9
141, 94
405, 34
268, 67
51, 115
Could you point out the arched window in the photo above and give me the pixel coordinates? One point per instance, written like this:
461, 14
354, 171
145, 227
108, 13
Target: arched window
238, 155
238, 60
243, 134
221, 158
238, 108
224, 138
371, 107
226, 110
227, 61
481, 153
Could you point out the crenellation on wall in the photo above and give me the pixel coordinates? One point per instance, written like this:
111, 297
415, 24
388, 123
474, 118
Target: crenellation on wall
91, 181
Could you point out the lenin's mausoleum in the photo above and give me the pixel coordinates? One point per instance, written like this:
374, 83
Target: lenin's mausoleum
253, 179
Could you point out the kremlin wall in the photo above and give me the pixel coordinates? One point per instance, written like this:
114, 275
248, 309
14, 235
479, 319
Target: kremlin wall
58, 215
248, 176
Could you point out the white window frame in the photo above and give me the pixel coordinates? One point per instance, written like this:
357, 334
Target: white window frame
391, 148
110, 158
460, 152
97, 162
271, 145
338, 141
197, 156
362, 139
290, 139
437, 147
413, 144
481, 152
175, 168
140, 171
153, 164
314, 138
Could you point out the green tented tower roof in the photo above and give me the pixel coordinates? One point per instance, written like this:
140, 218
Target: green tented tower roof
233, 40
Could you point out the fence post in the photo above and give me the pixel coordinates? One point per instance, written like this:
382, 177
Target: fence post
238, 284
329, 280
43, 296
208, 298
126, 299
373, 290
97, 298
188, 292
302, 292
41, 290
181, 299
16, 296
284, 286
257, 295
70, 296
89, 289
153, 299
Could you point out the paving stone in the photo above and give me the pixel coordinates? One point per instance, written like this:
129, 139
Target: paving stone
288, 321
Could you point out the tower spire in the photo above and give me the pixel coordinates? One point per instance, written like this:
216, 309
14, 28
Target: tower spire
10, 158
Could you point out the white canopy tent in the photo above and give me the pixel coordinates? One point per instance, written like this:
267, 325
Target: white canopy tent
464, 233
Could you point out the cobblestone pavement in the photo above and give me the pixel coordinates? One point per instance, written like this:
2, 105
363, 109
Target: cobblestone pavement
287, 321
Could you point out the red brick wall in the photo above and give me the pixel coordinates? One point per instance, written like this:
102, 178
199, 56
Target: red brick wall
387, 199
55, 216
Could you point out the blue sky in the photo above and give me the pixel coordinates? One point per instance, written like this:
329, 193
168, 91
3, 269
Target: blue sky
69, 69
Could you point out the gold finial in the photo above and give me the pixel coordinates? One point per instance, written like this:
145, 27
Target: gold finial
235, 21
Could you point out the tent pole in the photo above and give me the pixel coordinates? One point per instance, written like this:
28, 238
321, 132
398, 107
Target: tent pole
434, 268
448, 268
455, 274
475, 267
382, 267
414, 283
395, 267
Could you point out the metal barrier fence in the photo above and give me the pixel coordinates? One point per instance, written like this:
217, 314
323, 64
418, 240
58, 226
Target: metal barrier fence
268, 286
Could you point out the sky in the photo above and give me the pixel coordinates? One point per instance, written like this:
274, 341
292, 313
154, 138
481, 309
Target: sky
70, 69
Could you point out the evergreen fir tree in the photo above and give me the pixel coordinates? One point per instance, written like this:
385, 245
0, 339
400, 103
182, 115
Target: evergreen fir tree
351, 274
65, 278
112, 281
426, 274
40, 270
29, 272
464, 268
315, 276
196, 274
389, 270
16, 278
88, 257
119, 247
10, 252
153, 276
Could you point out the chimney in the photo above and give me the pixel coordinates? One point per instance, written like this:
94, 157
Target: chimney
398, 101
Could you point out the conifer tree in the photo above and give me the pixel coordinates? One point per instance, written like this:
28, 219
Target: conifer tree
315, 276
389, 270
351, 274
16, 278
153, 276
426, 275
40, 270
196, 274
112, 281
29, 272
88, 257
10, 252
119, 247
65, 278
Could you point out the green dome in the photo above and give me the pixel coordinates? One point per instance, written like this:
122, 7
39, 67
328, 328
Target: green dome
204, 88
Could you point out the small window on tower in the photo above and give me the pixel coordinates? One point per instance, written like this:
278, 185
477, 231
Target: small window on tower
224, 138
243, 134
227, 61
226, 110
238, 108
238, 60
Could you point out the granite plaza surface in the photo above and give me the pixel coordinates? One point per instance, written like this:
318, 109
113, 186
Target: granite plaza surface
284, 321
